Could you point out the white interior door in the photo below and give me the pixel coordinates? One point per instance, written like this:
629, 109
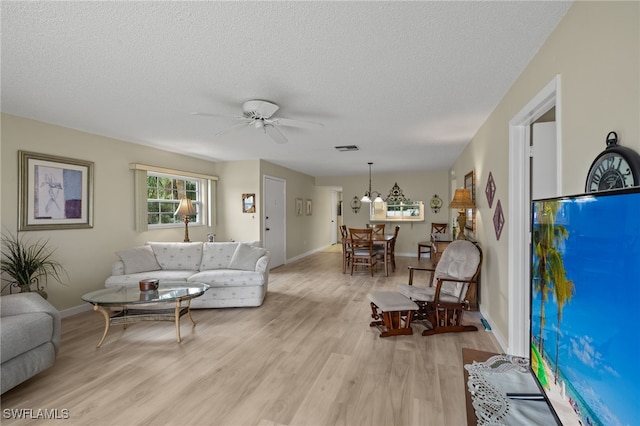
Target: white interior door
333, 214
275, 220
544, 161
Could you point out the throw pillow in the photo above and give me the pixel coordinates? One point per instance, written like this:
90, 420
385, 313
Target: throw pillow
246, 257
217, 255
139, 259
178, 256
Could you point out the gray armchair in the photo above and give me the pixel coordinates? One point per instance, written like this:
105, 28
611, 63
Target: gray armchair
30, 331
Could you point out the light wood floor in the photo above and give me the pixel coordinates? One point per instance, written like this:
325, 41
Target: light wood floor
306, 357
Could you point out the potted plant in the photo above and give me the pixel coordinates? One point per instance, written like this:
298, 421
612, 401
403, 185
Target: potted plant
27, 264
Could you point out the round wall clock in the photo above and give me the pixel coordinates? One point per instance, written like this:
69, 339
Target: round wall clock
436, 203
615, 167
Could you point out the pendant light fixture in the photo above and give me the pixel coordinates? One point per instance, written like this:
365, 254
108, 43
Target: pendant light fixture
366, 198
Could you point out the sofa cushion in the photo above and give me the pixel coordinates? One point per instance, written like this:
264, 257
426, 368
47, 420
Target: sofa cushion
21, 333
229, 278
132, 280
245, 257
178, 256
217, 255
138, 259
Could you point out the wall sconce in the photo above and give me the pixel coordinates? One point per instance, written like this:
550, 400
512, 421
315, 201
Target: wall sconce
462, 201
185, 209
355, 204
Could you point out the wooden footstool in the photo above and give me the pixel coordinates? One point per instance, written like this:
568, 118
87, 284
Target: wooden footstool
393, 313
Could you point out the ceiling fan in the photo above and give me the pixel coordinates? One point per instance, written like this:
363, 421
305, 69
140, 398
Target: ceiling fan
259, 114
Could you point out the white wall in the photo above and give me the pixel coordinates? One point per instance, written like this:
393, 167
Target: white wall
596, 51
87, 254
237, 178
417, 186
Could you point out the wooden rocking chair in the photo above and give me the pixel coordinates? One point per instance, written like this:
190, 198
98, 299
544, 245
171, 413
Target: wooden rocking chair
443, 302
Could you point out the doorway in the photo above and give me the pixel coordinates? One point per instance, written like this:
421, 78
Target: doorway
275, 220
519, 223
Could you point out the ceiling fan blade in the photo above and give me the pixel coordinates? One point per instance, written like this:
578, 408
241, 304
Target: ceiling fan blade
207, 114
234, 127
296, 123
275, 134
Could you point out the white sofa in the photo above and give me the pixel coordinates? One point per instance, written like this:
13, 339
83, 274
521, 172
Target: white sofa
237, 273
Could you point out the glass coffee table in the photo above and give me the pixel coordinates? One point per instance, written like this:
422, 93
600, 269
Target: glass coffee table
131, 299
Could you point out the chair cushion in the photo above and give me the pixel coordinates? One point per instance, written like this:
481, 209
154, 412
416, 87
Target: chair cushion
423, 294
246, 257
138, 259
459, 260
21, 333
390, 301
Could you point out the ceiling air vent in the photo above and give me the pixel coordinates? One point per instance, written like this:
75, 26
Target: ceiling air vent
344, 148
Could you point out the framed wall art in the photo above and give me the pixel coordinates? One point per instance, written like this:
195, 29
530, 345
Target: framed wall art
498, 220
248, 203
308, 210
470, 184
490, 190
54, 192
299, 207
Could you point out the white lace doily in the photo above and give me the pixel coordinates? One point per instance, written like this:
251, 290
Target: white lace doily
490, 381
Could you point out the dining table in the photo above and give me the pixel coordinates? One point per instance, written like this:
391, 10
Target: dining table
383, 240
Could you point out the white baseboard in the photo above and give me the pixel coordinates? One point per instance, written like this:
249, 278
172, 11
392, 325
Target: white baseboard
75, 310
499, 337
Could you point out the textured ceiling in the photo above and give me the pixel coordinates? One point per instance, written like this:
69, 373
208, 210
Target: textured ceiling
408, 82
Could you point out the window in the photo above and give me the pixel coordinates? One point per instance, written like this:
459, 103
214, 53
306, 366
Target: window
158, 191
163, 197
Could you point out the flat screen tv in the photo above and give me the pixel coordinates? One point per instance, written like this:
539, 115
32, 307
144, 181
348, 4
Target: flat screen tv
585, 306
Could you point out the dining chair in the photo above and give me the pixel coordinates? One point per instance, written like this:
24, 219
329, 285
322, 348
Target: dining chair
378, 228
362, 251
346, 248
392, 247
391, 250
425, 246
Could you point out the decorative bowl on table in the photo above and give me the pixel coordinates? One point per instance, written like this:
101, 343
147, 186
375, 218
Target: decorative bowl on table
149, 284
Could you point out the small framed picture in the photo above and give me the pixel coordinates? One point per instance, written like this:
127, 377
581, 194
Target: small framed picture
470, 184
55, 192
308, 210
299, 207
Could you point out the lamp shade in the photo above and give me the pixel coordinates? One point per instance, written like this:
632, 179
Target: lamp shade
462, 200
185, 208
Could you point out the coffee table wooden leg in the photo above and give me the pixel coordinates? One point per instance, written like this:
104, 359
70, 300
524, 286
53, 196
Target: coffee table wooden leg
177, 315
189, 312
107, 321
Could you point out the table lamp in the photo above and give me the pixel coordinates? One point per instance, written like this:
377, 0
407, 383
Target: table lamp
185, 209
462, 201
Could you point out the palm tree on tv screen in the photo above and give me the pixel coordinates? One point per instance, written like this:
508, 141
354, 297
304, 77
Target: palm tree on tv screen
549, 267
